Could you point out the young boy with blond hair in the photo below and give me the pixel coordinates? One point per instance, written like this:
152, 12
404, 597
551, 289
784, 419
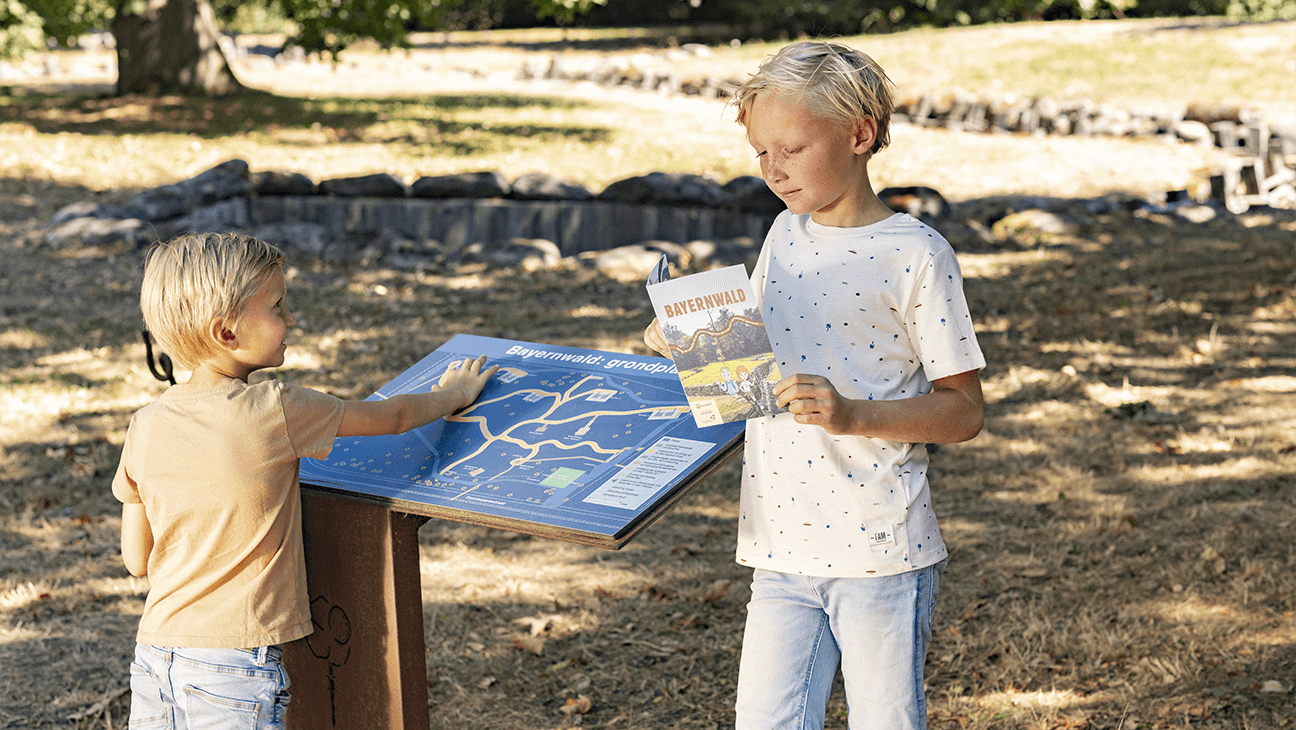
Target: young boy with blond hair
209, 484
865, 307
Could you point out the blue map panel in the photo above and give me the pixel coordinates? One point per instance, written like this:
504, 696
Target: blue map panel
573, 444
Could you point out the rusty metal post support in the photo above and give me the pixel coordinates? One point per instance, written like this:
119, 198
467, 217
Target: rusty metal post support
364, 666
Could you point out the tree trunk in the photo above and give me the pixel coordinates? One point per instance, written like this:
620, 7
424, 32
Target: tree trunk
171, 48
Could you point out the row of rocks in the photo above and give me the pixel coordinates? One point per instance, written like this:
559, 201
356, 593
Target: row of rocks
373, 228
231, 179
443, 222
391, 249
1262, 173
955, 110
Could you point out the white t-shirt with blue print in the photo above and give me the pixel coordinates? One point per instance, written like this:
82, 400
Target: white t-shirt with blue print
880, 312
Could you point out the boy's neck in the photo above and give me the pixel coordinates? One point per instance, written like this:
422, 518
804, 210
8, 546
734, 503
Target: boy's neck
211, 373
860, 208
865, 216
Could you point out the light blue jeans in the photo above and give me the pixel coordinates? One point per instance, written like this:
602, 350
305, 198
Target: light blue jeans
211, 689
800, 628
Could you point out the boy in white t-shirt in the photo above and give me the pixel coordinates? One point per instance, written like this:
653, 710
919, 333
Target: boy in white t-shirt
209, 484
865, 307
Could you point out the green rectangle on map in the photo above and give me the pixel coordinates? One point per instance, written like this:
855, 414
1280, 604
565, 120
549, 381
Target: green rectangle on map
563, 477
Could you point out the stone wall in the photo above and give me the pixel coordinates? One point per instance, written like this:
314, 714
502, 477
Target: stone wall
433, 233
440, 222
1004, 113
1261, 172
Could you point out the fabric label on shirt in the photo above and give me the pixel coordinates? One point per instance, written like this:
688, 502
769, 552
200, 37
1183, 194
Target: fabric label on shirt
881, 539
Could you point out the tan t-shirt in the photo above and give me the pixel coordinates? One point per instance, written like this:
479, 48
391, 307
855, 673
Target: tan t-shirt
216, 470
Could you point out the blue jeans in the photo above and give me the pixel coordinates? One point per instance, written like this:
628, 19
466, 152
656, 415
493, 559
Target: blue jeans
216, 689
800, 628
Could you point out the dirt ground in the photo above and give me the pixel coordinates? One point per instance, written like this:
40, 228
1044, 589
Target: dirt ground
1120, 533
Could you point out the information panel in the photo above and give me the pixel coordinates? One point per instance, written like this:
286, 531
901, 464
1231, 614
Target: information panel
572, 444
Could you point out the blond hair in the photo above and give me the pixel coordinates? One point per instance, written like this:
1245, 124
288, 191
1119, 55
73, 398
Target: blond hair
196, 278
831, 80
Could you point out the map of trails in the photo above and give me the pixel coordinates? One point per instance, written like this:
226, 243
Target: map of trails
563, 442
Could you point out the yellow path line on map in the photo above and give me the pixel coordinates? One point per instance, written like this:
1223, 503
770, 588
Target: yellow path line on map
535, 448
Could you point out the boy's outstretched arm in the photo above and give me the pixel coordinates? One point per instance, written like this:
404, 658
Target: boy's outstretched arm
460, 385
136, 538
954, 411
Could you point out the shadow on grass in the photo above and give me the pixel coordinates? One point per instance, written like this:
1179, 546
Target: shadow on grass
1082, 543
254, 111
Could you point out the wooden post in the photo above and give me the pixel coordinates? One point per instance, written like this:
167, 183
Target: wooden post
364, 666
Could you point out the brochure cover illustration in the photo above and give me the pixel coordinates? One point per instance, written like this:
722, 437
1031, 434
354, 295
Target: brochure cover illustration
567, 443
718, 341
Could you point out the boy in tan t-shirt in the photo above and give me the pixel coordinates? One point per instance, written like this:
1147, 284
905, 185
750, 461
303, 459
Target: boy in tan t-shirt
208, 480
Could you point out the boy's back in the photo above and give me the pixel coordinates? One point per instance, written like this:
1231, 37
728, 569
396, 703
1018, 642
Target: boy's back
209, 487
216, 469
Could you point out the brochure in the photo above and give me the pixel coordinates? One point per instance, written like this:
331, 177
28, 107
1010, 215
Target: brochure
718, 342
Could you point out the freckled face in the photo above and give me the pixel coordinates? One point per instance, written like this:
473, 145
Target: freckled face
814, 165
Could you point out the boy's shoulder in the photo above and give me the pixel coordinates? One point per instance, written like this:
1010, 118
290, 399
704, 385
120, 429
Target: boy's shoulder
184, 393
234, 393
269, 404
915, 232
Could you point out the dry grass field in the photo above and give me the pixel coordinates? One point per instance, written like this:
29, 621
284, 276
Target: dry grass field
1121, 532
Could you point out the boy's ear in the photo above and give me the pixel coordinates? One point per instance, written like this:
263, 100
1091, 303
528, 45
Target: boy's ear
222, 335
865, 131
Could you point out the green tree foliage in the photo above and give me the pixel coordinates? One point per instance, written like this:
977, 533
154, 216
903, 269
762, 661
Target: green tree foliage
769, 18
26, 25
1261, 10
328, 26
565, 11
20, 29
772, 19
